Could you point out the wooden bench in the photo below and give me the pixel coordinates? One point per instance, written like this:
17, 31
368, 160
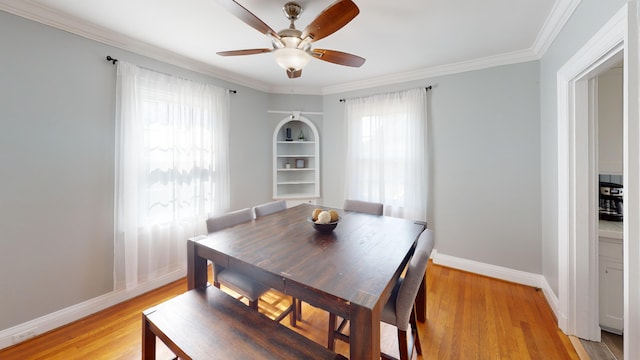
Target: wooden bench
206, 323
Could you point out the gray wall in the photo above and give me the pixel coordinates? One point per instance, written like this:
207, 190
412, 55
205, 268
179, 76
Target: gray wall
56, 144
57, 110
588, 18
492, 159
249, 149
485, 163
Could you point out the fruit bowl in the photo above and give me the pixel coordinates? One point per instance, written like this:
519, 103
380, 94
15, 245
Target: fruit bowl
323, 228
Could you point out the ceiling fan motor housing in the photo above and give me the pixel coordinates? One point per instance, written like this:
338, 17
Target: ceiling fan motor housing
292, 10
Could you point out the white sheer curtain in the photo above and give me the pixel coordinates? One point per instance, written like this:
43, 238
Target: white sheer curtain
387, 152
171, 170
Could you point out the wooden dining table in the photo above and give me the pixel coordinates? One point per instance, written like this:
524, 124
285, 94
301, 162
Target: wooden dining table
350, 271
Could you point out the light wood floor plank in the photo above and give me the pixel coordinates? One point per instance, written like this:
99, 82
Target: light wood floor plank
469, 317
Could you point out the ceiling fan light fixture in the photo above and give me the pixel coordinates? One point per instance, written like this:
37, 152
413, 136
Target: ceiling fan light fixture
292, 47
291, 58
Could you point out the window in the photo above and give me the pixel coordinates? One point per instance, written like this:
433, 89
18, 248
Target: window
180, 167
386, 152
171, 168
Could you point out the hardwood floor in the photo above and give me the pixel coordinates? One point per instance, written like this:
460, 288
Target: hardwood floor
610, 348
615, 343
469, 317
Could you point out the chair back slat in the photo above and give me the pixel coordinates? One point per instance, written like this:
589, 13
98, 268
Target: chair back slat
363, 207
229, 219
270, 208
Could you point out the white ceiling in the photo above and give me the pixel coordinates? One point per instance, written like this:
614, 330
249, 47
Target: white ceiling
402, 40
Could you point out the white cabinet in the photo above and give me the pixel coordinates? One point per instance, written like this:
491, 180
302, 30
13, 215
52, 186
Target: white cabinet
611, 285
296, 160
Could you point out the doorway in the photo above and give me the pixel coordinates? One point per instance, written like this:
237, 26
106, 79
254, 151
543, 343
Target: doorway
609, 121
578, 189
577, 169
606, 92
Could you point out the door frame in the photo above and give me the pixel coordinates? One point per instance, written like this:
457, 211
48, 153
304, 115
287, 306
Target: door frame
577, 170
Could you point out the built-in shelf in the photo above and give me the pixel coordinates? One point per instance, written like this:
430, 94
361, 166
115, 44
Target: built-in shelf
296, 155
296, 163
295, 182
294, 169
295, 196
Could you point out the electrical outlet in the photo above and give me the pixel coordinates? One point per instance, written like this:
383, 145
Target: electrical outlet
28, 334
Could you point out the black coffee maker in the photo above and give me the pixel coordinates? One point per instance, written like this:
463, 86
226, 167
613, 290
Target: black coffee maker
610, 201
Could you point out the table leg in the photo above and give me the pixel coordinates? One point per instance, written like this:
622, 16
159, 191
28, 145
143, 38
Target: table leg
196, 267
148, 341
364, 333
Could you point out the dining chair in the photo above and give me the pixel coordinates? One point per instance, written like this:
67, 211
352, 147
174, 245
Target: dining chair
270, 208
237, 281
363, 207
399, 310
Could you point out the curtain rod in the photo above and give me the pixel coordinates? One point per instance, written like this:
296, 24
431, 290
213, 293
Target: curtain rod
114, 61
426, 89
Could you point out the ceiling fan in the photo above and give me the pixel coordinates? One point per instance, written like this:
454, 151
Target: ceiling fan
292, 47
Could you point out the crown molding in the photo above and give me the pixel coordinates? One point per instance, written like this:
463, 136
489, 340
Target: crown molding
558, 17
285, 90
447, 69
560, 14
33, 11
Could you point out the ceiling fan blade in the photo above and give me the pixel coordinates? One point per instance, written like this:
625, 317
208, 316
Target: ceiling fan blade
331, 19
292, 73
243, 52
248, 17
338, 57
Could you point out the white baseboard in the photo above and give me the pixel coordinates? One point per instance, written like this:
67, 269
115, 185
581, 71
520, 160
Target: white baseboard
86, 308
552, 299
76, 312
499, 272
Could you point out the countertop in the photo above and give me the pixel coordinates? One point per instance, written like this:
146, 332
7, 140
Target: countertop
610, 229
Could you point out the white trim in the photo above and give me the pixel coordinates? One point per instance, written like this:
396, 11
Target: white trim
494, 271
560, 14
76, 312
56, 19
631, 180
592, 188
577, 239
551, 297
31, 10
294, 112
448, 69
499, 272
295, 115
